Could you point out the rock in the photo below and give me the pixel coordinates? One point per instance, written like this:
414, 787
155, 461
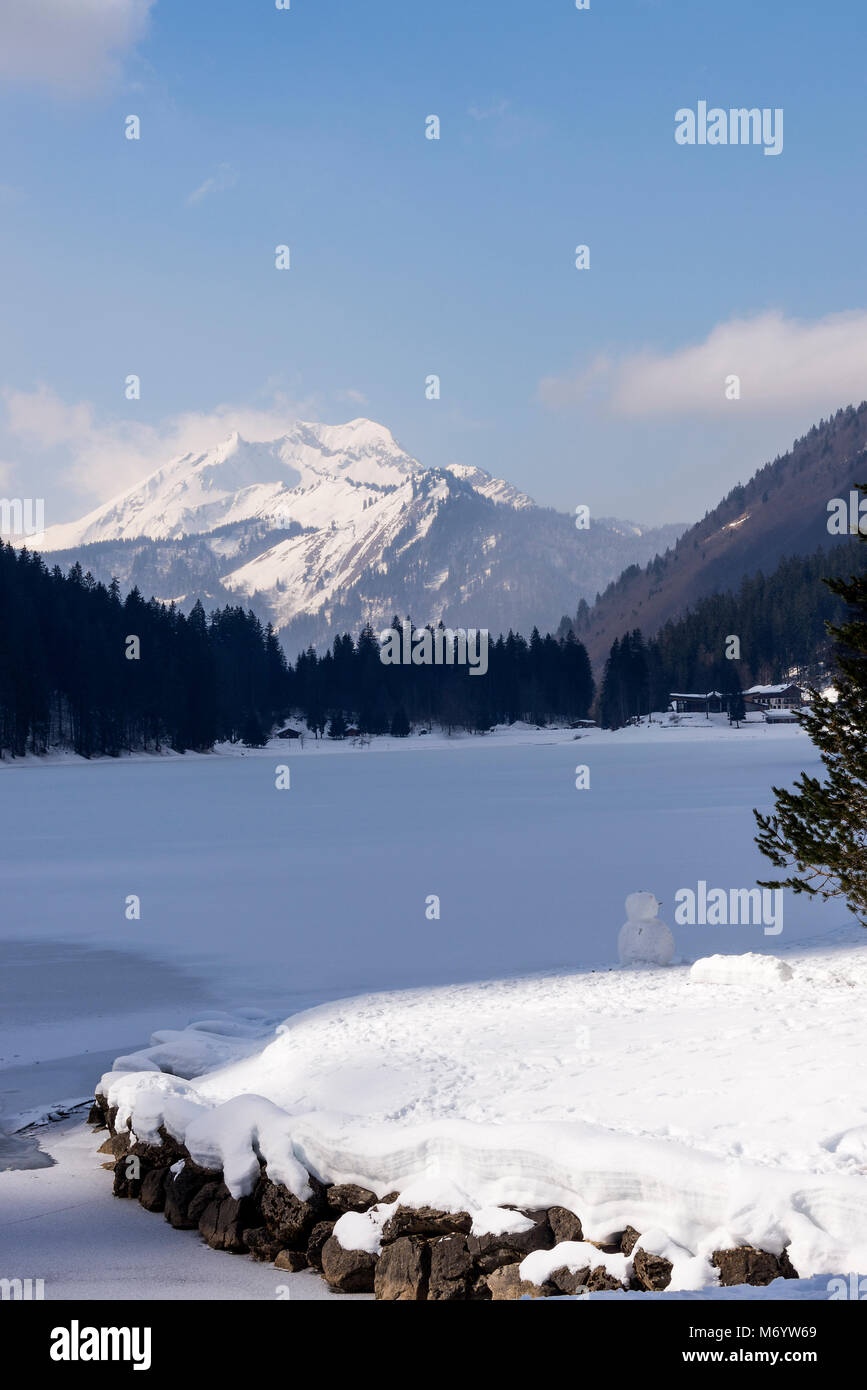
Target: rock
787, 1269
478, 1289
318, 1236
403, 1270
490, 1252
599, 1280
746, 1265
224, 1220
293, 1260
116, 1144
568, 1282
260, 1243
127, 1177
348, 1196
425, 1221
96, 1115
652, 1271
506, 1283
628, 1239
389, 1199
153, 1189
180, 1189
289, 1219
564, 1224
209, 1192
349, 1271
451, 1269
159, 1155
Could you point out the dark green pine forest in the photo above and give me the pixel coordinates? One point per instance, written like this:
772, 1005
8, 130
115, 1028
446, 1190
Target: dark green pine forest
780, 620
69, 676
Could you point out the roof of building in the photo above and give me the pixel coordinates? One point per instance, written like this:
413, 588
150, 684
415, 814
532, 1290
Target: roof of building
772, 689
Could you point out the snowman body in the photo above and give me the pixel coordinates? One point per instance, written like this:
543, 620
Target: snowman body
644, 939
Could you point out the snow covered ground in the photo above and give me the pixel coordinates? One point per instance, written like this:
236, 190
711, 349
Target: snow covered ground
718, 1113
522, 1064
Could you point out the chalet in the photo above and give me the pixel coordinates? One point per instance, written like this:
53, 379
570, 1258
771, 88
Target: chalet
289, 733
768, 697
712, 702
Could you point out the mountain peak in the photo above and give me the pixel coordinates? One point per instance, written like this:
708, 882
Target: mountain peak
337, 524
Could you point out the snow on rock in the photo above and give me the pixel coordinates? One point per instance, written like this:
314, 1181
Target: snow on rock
749, 969
235, 1134
362, 1230
724, 1130
688, 1271
498, 1221
574, 1255
643, 938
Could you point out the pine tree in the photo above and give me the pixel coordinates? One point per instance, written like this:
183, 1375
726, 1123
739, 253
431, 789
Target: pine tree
737, 708
399, 723
818, 831
337, 726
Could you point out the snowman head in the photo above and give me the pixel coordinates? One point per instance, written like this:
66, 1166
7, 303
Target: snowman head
642, 907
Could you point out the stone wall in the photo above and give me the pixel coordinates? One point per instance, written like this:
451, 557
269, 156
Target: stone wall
425, 1254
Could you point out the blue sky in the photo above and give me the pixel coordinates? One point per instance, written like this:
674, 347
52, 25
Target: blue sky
412, 257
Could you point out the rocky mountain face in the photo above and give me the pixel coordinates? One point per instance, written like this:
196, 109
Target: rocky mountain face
330, 526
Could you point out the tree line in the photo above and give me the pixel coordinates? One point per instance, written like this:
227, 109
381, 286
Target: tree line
81, 667
71, 677
781, 621
538, 680
67, 677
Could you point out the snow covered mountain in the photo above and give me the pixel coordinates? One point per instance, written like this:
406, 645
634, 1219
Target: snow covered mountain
331, 525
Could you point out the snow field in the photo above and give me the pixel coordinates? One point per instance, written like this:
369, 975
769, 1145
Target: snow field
710, 1117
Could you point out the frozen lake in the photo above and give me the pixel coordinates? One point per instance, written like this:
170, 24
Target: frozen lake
283, 898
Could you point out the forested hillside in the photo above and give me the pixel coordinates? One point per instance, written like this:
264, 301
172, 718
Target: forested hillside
781, 511
780, 620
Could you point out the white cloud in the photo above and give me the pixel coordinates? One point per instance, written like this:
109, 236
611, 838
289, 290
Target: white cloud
780, 362
225, 178
102, 459
40, 417
493, 112
72, 46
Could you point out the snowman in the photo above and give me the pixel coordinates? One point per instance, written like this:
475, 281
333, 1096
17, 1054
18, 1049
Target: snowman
643, 939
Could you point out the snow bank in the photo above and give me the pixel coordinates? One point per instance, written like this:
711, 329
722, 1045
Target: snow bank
629, 1098
749, 969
